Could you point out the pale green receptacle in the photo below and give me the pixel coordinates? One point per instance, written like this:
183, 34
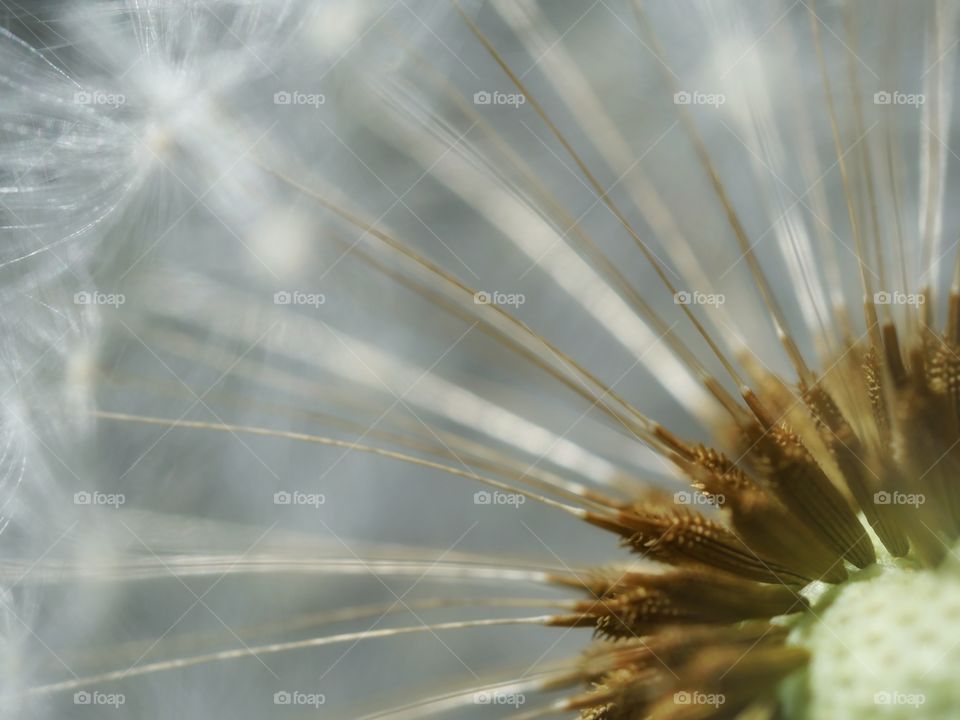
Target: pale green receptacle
885, 644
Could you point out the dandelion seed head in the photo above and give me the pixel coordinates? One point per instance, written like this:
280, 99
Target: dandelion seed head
650, 333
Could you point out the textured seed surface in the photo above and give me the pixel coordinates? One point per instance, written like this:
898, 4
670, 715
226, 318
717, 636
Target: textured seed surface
885, 646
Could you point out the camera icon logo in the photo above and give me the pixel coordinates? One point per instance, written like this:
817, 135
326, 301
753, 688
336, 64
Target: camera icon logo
82, 298
882, 497
282, 98
482, 297
482, 98
282, 498
282, 697
82, 698
682, 98
682, 298
882, 98
881, 298
282, 298
82, 498
482, 497
83, 97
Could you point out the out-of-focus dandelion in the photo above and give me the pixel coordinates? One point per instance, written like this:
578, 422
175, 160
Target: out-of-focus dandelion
303, 299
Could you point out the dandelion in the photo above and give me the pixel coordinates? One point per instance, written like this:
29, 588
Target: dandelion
654, 306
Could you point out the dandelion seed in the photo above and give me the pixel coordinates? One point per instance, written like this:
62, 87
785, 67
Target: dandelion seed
651, 303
